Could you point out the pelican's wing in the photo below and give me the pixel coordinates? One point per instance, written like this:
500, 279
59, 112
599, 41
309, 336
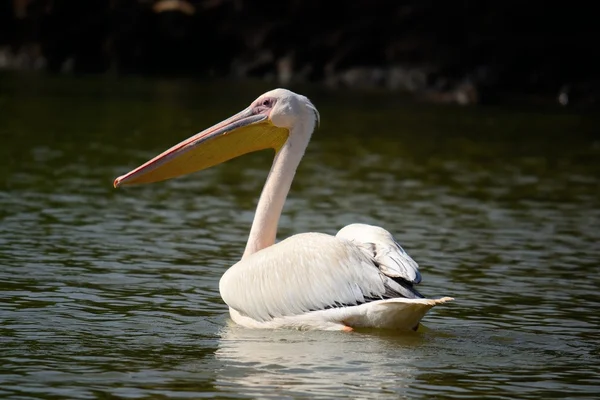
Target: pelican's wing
306, 272
384, 249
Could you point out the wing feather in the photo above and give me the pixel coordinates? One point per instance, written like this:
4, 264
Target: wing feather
308, 272
305, 272
384, 249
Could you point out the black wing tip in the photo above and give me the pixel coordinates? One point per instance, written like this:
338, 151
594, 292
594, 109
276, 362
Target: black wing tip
406, 289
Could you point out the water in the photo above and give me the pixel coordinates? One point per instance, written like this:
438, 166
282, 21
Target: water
110, 293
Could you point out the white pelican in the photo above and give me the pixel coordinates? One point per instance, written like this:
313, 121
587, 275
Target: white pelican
360, 278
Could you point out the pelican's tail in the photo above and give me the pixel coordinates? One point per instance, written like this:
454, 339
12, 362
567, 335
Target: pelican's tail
397, 313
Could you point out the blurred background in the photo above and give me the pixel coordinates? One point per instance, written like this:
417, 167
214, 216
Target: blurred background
464, 51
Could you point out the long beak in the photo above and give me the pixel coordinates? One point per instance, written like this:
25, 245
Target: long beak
243, 133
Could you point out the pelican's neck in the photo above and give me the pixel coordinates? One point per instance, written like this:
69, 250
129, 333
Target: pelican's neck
276, 189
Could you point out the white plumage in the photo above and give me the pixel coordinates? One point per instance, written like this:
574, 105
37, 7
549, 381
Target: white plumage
359, 278
318, 281
380, 245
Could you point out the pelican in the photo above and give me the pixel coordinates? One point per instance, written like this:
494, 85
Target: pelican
359, 278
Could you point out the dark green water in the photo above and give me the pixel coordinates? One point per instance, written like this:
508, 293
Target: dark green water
110, 293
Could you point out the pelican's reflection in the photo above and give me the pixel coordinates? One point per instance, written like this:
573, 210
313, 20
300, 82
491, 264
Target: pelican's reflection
326, 363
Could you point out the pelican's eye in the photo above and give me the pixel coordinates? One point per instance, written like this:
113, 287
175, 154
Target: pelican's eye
264, 105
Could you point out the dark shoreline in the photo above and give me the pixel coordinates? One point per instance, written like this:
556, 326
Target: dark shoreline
463, 53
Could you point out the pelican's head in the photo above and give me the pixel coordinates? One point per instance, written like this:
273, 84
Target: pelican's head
266, 123
287, 109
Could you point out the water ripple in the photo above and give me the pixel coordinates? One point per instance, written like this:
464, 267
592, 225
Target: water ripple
115, 293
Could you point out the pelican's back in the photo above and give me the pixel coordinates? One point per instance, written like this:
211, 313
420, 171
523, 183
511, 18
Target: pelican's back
317, 281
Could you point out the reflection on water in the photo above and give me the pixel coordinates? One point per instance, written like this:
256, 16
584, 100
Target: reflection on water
107, 291
290, 363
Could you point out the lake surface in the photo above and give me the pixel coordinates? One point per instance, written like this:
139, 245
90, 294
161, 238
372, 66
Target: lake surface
110, 293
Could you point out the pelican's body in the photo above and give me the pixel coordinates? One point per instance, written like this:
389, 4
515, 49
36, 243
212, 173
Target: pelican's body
319, 281
359, 278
